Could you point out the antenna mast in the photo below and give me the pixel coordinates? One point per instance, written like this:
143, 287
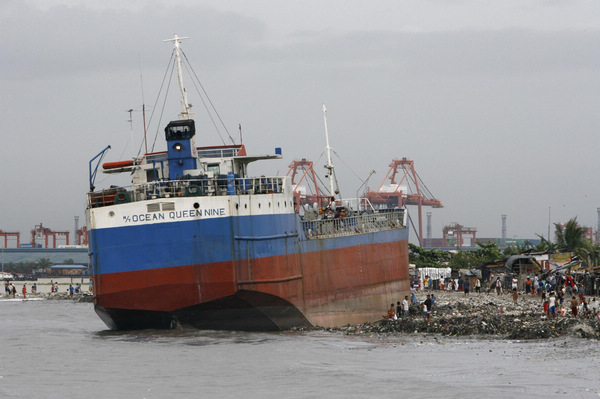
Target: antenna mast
329, 165
143, 109
130, 112
185, 113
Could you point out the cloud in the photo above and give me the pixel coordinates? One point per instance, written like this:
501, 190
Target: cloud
495, 119
76, 40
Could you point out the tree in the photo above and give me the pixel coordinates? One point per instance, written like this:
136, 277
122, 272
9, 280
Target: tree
545, 245
20, 268
588, 253
422, 257
464, 260
485, 252
43, 263
571, 237
517, 248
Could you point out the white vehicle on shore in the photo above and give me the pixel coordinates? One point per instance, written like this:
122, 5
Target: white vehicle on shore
6, 276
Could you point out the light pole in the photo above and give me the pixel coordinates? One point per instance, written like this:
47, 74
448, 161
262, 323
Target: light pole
365, 182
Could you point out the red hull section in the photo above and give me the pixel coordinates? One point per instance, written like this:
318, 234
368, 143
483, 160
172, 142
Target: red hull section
324, 288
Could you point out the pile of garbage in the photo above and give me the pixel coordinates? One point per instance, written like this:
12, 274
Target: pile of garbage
457, 314
78, 297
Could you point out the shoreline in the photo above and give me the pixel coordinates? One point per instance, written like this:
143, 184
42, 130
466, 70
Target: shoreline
43, 284
87, 297
485, 315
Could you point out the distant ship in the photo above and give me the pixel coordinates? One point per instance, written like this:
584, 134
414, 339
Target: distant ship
194, 241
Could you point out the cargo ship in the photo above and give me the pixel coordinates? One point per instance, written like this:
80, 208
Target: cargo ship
194, 241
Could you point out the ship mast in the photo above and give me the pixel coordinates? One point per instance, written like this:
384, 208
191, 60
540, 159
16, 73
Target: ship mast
329, 165
185, 112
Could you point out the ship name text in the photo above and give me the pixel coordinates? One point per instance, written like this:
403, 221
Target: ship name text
173, 215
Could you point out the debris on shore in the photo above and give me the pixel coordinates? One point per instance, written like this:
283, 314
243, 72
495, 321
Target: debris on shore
457, 314
57, 296
78, 297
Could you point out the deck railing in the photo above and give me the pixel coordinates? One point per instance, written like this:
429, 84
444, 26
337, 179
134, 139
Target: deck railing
349, 225
186, 188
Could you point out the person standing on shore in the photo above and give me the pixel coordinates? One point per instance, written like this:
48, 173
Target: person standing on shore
585, 309
569, 283
477, 285
24, 291
427, 308
528, 285
561, 299
515, 295
391, 313
405, 306
466, 286
552, 305
574, 307
13, 290
71, 289
498, 286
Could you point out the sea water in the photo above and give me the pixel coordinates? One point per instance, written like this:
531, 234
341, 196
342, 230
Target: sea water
61, 349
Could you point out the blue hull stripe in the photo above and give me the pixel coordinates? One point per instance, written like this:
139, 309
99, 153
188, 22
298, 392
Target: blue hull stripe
136, 248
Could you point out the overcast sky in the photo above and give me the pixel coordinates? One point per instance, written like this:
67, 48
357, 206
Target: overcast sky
496, 102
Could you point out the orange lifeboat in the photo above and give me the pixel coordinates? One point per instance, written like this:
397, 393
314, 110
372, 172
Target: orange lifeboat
117, 165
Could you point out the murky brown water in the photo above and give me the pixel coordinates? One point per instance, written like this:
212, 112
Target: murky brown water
59, 349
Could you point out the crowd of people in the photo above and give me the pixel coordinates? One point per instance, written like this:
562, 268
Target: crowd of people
402, 310
559, 295
11, 291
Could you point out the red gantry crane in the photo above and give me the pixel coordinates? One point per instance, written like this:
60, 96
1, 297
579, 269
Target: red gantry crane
453, 235
304, 179
7, 234
404, 187
82, 236
41, 231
